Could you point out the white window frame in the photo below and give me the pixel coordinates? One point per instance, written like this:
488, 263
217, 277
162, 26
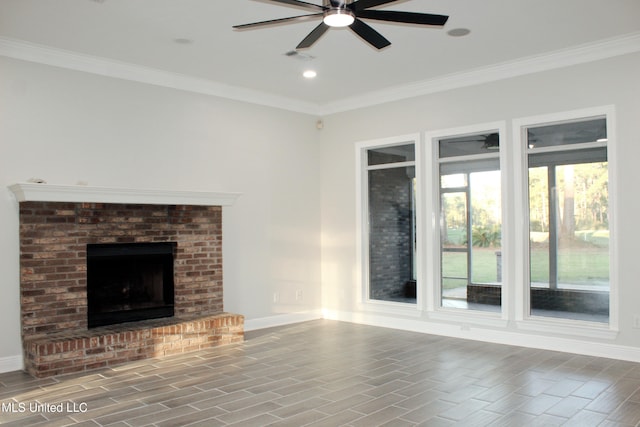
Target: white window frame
362, 229
432, 262
522, 294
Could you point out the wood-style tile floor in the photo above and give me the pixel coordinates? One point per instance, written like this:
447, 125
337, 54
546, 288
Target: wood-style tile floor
326, 373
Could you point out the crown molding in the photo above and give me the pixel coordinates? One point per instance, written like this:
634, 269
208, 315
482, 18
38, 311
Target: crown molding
42, 54
590, 52
581, 54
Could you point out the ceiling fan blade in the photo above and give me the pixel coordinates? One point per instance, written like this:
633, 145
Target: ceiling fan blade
359, 5
298, 3
369, 35
313, 36
404, 17
278, 21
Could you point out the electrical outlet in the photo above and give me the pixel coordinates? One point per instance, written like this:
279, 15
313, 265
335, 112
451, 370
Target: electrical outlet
299, 295
636, 321
276, 297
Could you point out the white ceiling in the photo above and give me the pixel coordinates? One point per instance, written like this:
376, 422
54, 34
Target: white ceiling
141, 35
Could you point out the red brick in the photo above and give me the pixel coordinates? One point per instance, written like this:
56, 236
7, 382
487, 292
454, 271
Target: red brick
53, 272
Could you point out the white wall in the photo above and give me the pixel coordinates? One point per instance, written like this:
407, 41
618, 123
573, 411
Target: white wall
293, 229
65, 126
607, 82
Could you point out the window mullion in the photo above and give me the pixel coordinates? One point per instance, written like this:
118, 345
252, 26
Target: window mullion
469, 231
553, 227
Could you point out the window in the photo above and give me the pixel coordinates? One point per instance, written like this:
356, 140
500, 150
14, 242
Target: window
470, 221
568, 214
391, 217
472, 227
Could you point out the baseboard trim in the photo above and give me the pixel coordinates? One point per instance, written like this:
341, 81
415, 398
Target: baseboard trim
562, 344
11, 364
280, 320
566, 345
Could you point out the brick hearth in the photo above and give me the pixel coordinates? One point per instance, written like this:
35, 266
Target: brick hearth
53, 240
75, 351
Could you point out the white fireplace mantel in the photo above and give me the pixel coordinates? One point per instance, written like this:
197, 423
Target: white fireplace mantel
35, 192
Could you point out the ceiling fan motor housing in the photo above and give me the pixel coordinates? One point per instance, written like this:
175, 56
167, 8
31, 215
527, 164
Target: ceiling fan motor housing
340, 4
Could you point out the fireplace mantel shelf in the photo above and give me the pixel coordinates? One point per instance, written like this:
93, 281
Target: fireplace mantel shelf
32, 192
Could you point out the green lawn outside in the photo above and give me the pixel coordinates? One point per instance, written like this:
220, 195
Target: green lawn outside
584, 265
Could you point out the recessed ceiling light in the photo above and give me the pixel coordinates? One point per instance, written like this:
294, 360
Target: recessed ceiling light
309, 74
459, 32
181, 40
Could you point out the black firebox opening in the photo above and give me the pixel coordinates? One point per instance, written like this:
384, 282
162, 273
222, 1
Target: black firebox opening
129, 282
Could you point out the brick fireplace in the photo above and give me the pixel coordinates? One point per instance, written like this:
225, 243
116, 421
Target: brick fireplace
55, 230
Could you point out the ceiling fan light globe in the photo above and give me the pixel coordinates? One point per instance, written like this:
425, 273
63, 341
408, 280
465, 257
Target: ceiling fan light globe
339, 18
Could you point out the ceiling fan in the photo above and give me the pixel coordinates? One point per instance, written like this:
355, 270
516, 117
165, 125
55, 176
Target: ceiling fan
472, 144
348, 13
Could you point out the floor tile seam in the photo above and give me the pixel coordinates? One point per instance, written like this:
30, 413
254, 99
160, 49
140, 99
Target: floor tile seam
457, 404
511, 409
374, 377
115, 384
113, 414
541, 414
127, 421
617, 408
297, 414
116, 406
225, 411
389, 392
61, 387
628, 398
57, 399
164, 371
223, 403
372, 414
489, 400
301, 402
77, 421
500, 414
215, 417
244, 408
447, 398
343, 387
329, 416
138, 388
403, 398
247, 409
193, 402
333, 400
337, 401
285, 396
153, 397
563, 396
437, 383
165, 385
528, 396
191, 382
296, 384
203, 385
414, 407
393, 405
349, 409
268, 385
